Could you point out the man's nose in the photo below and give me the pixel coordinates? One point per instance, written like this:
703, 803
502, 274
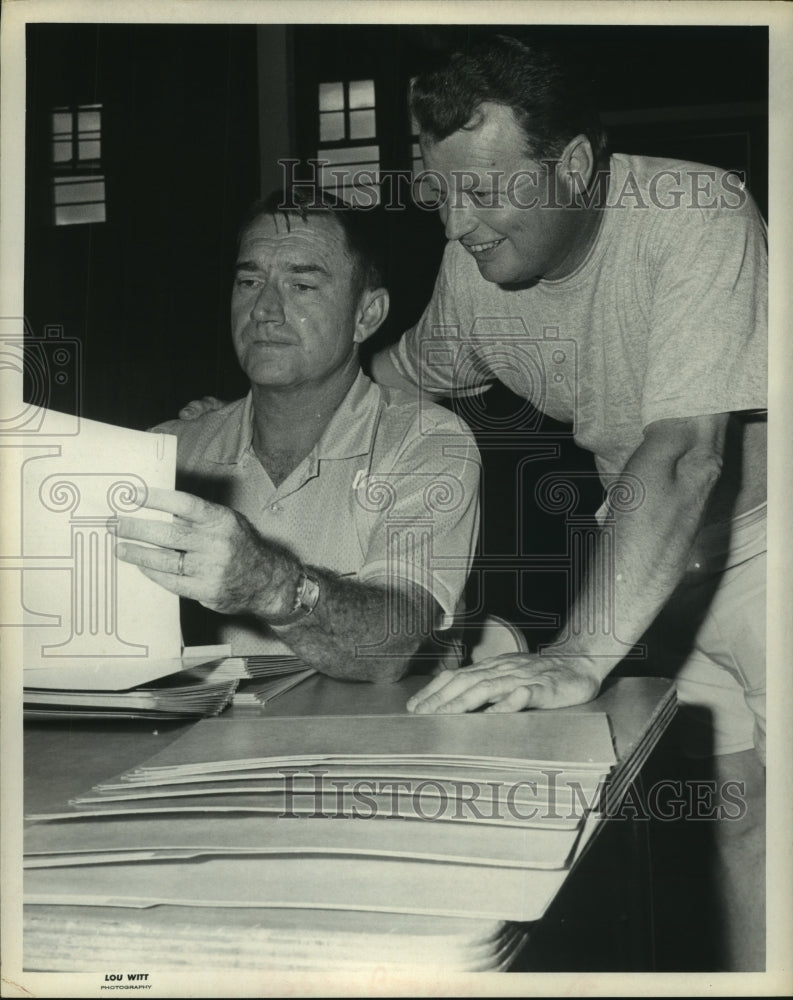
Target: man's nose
458, 218
267, 307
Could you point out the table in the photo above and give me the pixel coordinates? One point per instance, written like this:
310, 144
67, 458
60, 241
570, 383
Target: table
63, 759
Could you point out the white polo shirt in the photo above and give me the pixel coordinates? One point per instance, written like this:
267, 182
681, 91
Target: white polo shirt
390, 492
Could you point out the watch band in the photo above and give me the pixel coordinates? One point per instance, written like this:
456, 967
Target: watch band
306, 597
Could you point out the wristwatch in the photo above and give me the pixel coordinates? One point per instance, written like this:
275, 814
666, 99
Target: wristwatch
306, 597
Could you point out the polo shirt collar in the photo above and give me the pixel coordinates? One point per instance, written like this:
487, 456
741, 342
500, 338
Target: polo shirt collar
349, 433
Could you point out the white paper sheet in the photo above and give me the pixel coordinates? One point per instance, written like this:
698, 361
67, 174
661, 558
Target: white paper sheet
79, 602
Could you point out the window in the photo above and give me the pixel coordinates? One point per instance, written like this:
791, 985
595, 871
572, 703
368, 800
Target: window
78, 186
347, 126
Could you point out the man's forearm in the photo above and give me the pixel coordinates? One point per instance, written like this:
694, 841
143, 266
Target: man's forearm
634, 567
361, 631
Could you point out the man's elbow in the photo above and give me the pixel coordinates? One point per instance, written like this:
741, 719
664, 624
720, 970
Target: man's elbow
699, 469
393, 664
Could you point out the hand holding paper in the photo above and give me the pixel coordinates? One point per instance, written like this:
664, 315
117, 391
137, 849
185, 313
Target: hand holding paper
211, 554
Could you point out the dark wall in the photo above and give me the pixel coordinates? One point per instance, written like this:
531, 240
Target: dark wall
146, 292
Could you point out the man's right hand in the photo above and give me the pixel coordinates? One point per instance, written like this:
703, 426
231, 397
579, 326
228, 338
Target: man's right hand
200, 406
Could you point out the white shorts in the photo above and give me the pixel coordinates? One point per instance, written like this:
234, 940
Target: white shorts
711, 637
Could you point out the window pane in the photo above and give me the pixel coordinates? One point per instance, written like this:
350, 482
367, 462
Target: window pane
66, 215
368, 197
349, 154
62, 151
362, 124
331, 97
347, 175
89, 149
361, 93
62, 123
331, 126
89, 121
69, 191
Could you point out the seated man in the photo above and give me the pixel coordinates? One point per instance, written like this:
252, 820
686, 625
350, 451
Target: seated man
333, 514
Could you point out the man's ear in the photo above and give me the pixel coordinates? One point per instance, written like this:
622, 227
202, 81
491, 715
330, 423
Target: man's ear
577, 164
371, 313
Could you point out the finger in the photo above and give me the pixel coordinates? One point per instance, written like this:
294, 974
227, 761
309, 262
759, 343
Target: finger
163, 560
183, 586
437, 682
468, 676
470, 693
515, 701
164, 533
185, 505
196, 407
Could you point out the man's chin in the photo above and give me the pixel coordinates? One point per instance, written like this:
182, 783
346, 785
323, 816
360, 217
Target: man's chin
506, 277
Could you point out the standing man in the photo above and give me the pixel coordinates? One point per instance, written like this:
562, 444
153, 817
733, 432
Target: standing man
656, 269
331, 513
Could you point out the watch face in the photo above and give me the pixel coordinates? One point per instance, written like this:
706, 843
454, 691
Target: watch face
306, 597
308, 592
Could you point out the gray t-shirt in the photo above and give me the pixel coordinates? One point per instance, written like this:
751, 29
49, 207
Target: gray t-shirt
666, 317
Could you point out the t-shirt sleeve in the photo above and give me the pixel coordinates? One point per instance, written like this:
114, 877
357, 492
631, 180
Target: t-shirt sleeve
420, 512
437, 354
708, 340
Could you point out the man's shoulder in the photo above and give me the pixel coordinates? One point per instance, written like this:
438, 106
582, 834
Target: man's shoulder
671, 187
417, 420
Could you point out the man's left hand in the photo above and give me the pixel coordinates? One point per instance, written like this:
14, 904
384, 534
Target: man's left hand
509, 683
209, 553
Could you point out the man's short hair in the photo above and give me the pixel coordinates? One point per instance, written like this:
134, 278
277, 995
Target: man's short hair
359, 225
550, 100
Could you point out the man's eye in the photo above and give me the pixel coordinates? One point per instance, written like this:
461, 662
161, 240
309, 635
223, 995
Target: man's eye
243, 282
483, 198
301, 287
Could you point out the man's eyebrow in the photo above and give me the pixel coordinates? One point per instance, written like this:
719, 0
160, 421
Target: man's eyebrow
246, 265
308, 269
252, 265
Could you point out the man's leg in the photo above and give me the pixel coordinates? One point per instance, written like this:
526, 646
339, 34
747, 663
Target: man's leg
740, 859
711, 639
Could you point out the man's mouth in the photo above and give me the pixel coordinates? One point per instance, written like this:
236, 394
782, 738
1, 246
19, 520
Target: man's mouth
476, 248
271, 342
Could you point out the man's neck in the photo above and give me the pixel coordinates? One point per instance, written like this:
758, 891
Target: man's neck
288, 422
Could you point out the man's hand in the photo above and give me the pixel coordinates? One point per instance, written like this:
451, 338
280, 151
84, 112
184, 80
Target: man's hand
509, 683
198, 407
211, 554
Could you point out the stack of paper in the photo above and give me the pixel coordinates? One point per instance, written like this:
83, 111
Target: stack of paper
265, 677
476, 816
200, 683
353, 844
172, 938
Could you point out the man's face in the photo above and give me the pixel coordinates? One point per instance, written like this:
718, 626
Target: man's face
293, 305
496, 199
